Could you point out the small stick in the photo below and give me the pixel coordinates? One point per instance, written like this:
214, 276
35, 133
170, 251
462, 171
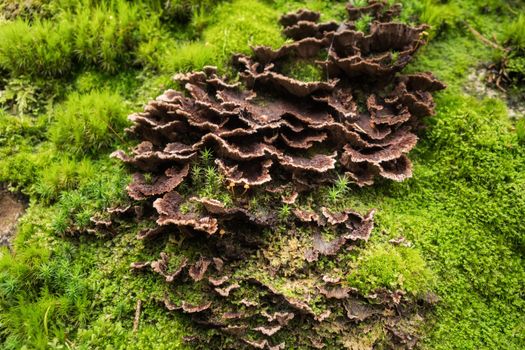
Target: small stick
136, 320
486, 41
116, 134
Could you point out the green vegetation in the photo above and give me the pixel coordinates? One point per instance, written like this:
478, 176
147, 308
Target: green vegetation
39, 297
107, 36
462, 212
233, 27
515, 33
363, 23
384, 265
303, 70
514, 38
88, 123
71, 71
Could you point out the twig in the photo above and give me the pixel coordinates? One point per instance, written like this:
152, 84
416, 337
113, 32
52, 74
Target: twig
116, 134
484, 40
136, 320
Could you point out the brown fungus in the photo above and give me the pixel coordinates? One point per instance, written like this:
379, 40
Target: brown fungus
169, 209
273, 136
293, 18
225, 292
198, 269
141, 189
378, 9
161, 267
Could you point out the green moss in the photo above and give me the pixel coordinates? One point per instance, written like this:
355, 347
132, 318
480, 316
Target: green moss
105, 35
514, 33
516, 67
41, 48
62, 175
233, 28
91, 195
384, 265
19, 162
304, 71
38, 295
363, 23
461, 211
19, 97
514, 39
520, 131
87, 124
439, 15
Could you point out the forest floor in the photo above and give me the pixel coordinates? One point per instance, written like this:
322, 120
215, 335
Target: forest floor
70, 73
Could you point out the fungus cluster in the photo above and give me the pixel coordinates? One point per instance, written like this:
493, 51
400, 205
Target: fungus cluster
273, 133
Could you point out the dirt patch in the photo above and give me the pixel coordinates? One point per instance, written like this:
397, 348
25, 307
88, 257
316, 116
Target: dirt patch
10, 211
477, 85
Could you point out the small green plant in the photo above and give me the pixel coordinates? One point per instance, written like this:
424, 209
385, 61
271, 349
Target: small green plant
285, 211
206, 155
336, 192
196, 173
185, 208
211, 183
212, 175
342, 183
358, 3
19, 96
395, 56
253, 203
363, 23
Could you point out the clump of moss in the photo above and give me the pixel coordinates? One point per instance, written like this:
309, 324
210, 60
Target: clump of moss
384, 265
107, 36
514, 38
87, 124
234, 27
363, 23
62, 175
515, 33
39, 294
40, 48
304, 71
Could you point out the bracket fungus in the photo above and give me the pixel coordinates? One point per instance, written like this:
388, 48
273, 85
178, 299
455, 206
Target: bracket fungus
275, 134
